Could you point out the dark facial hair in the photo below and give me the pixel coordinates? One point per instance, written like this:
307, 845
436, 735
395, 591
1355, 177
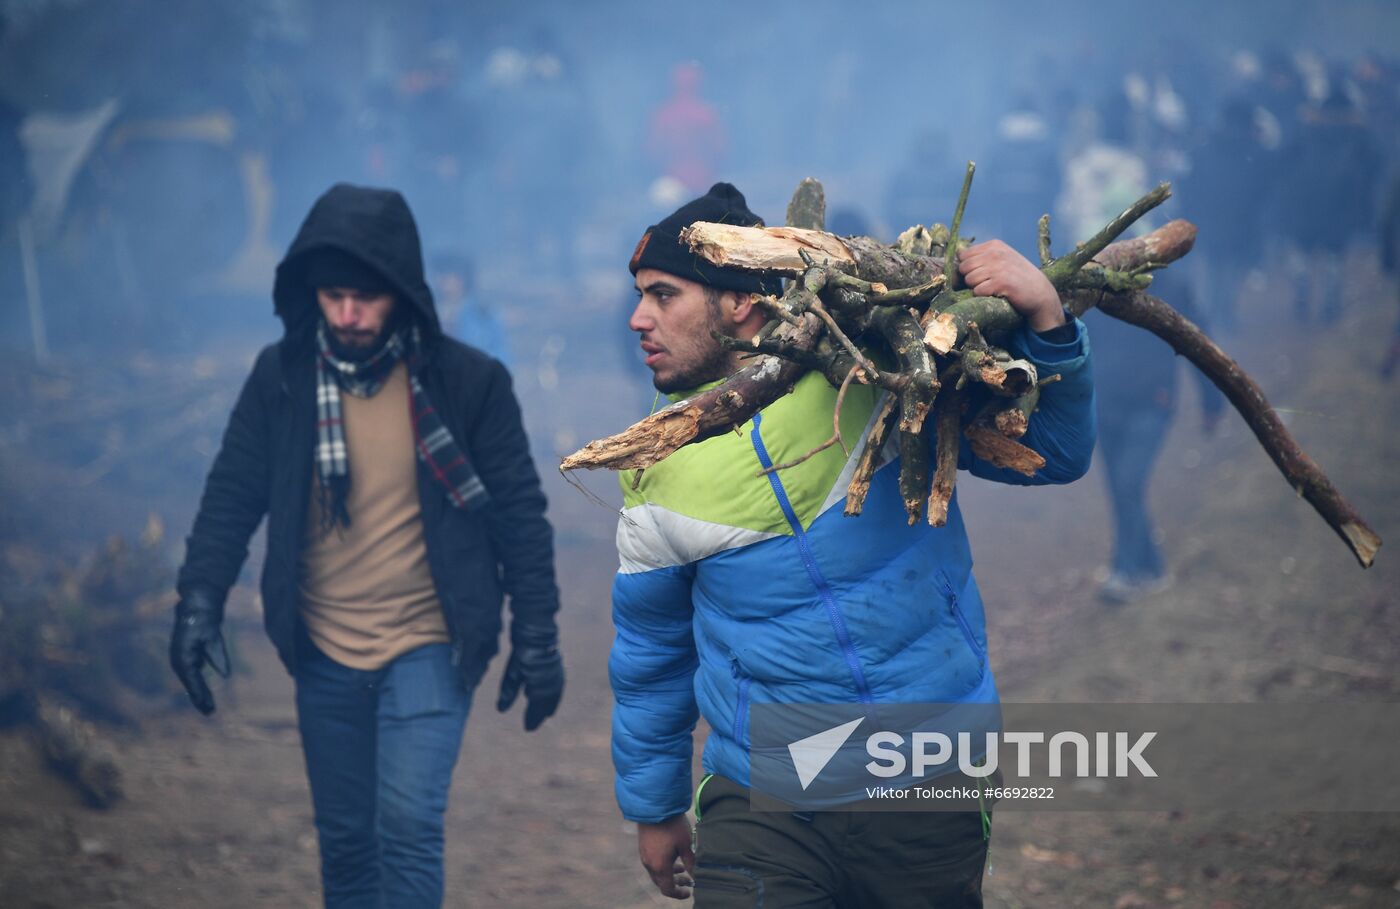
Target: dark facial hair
716, 364
357, 353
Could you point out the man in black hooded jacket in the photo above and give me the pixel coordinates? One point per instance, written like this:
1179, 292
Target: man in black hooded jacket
402, 504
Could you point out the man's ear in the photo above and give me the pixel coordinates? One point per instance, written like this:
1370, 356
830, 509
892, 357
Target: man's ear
744, 313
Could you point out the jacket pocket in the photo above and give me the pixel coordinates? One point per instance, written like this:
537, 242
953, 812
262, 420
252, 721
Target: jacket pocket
953, 607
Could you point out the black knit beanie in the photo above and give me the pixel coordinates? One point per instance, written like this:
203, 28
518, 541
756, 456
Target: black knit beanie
661, 247
332, 267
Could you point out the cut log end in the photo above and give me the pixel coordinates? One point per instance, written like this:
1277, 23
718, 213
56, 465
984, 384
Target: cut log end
1364, 542
995, 448
1012, 423
640, 445
937, 513
941, 334
855, 497
764, 249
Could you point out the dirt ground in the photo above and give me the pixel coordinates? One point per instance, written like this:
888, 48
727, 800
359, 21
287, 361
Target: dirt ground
1268, 606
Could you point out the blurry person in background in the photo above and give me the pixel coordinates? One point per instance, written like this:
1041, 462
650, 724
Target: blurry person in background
686, 139
1136, 377
1331, 170
465, 315
540, 149
1103, 174
439, 132
1376, 83
1279, 91
394, 471
1224, 193
1022, 175
1135, 372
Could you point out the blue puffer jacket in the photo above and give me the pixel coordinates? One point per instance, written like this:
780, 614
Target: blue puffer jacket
737, 589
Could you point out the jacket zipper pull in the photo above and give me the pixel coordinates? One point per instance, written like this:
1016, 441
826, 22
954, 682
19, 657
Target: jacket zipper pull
948, 592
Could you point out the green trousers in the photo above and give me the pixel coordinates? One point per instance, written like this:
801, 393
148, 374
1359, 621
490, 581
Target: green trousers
902, 859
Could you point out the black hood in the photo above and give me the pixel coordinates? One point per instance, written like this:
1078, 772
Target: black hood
375, 226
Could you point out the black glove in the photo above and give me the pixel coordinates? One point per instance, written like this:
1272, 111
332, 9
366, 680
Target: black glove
194, 642
536, 664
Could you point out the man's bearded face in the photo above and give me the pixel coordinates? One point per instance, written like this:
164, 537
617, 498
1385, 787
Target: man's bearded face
674, 318
358, 322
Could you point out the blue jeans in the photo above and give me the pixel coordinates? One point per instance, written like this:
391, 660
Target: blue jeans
1130, 437
380, 747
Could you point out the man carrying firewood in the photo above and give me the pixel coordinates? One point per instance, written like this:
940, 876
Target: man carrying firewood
402, 504
738, 587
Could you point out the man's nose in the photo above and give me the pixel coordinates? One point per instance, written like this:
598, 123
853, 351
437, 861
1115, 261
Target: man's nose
347, 314
641, 320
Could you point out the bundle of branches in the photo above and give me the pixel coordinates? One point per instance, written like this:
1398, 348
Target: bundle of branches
81, 643
853, 302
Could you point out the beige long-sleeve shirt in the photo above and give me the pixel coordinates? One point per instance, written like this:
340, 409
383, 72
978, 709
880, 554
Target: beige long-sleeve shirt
367, 593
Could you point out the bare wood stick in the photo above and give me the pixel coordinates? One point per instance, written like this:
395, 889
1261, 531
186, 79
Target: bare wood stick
1123, 267
1043, 240
776, 307
789, 251
869, 458
874, 293
807, 208
764, 249
950, 261
778, 347
905, 338
1069, 264
702, 416
1301, 471
909, 296
945, 472
913, 473
1011, 416
1164, 245
995, 448
846, 342
946, 330
973, 358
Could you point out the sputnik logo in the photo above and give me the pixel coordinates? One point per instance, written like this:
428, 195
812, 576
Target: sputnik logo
812, 754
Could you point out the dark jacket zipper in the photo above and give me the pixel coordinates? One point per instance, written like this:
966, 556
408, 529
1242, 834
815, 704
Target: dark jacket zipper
957, 612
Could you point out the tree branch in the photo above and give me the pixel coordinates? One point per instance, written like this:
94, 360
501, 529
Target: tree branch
1301, 472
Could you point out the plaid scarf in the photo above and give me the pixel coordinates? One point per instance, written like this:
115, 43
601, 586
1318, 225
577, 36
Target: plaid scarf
436, 447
